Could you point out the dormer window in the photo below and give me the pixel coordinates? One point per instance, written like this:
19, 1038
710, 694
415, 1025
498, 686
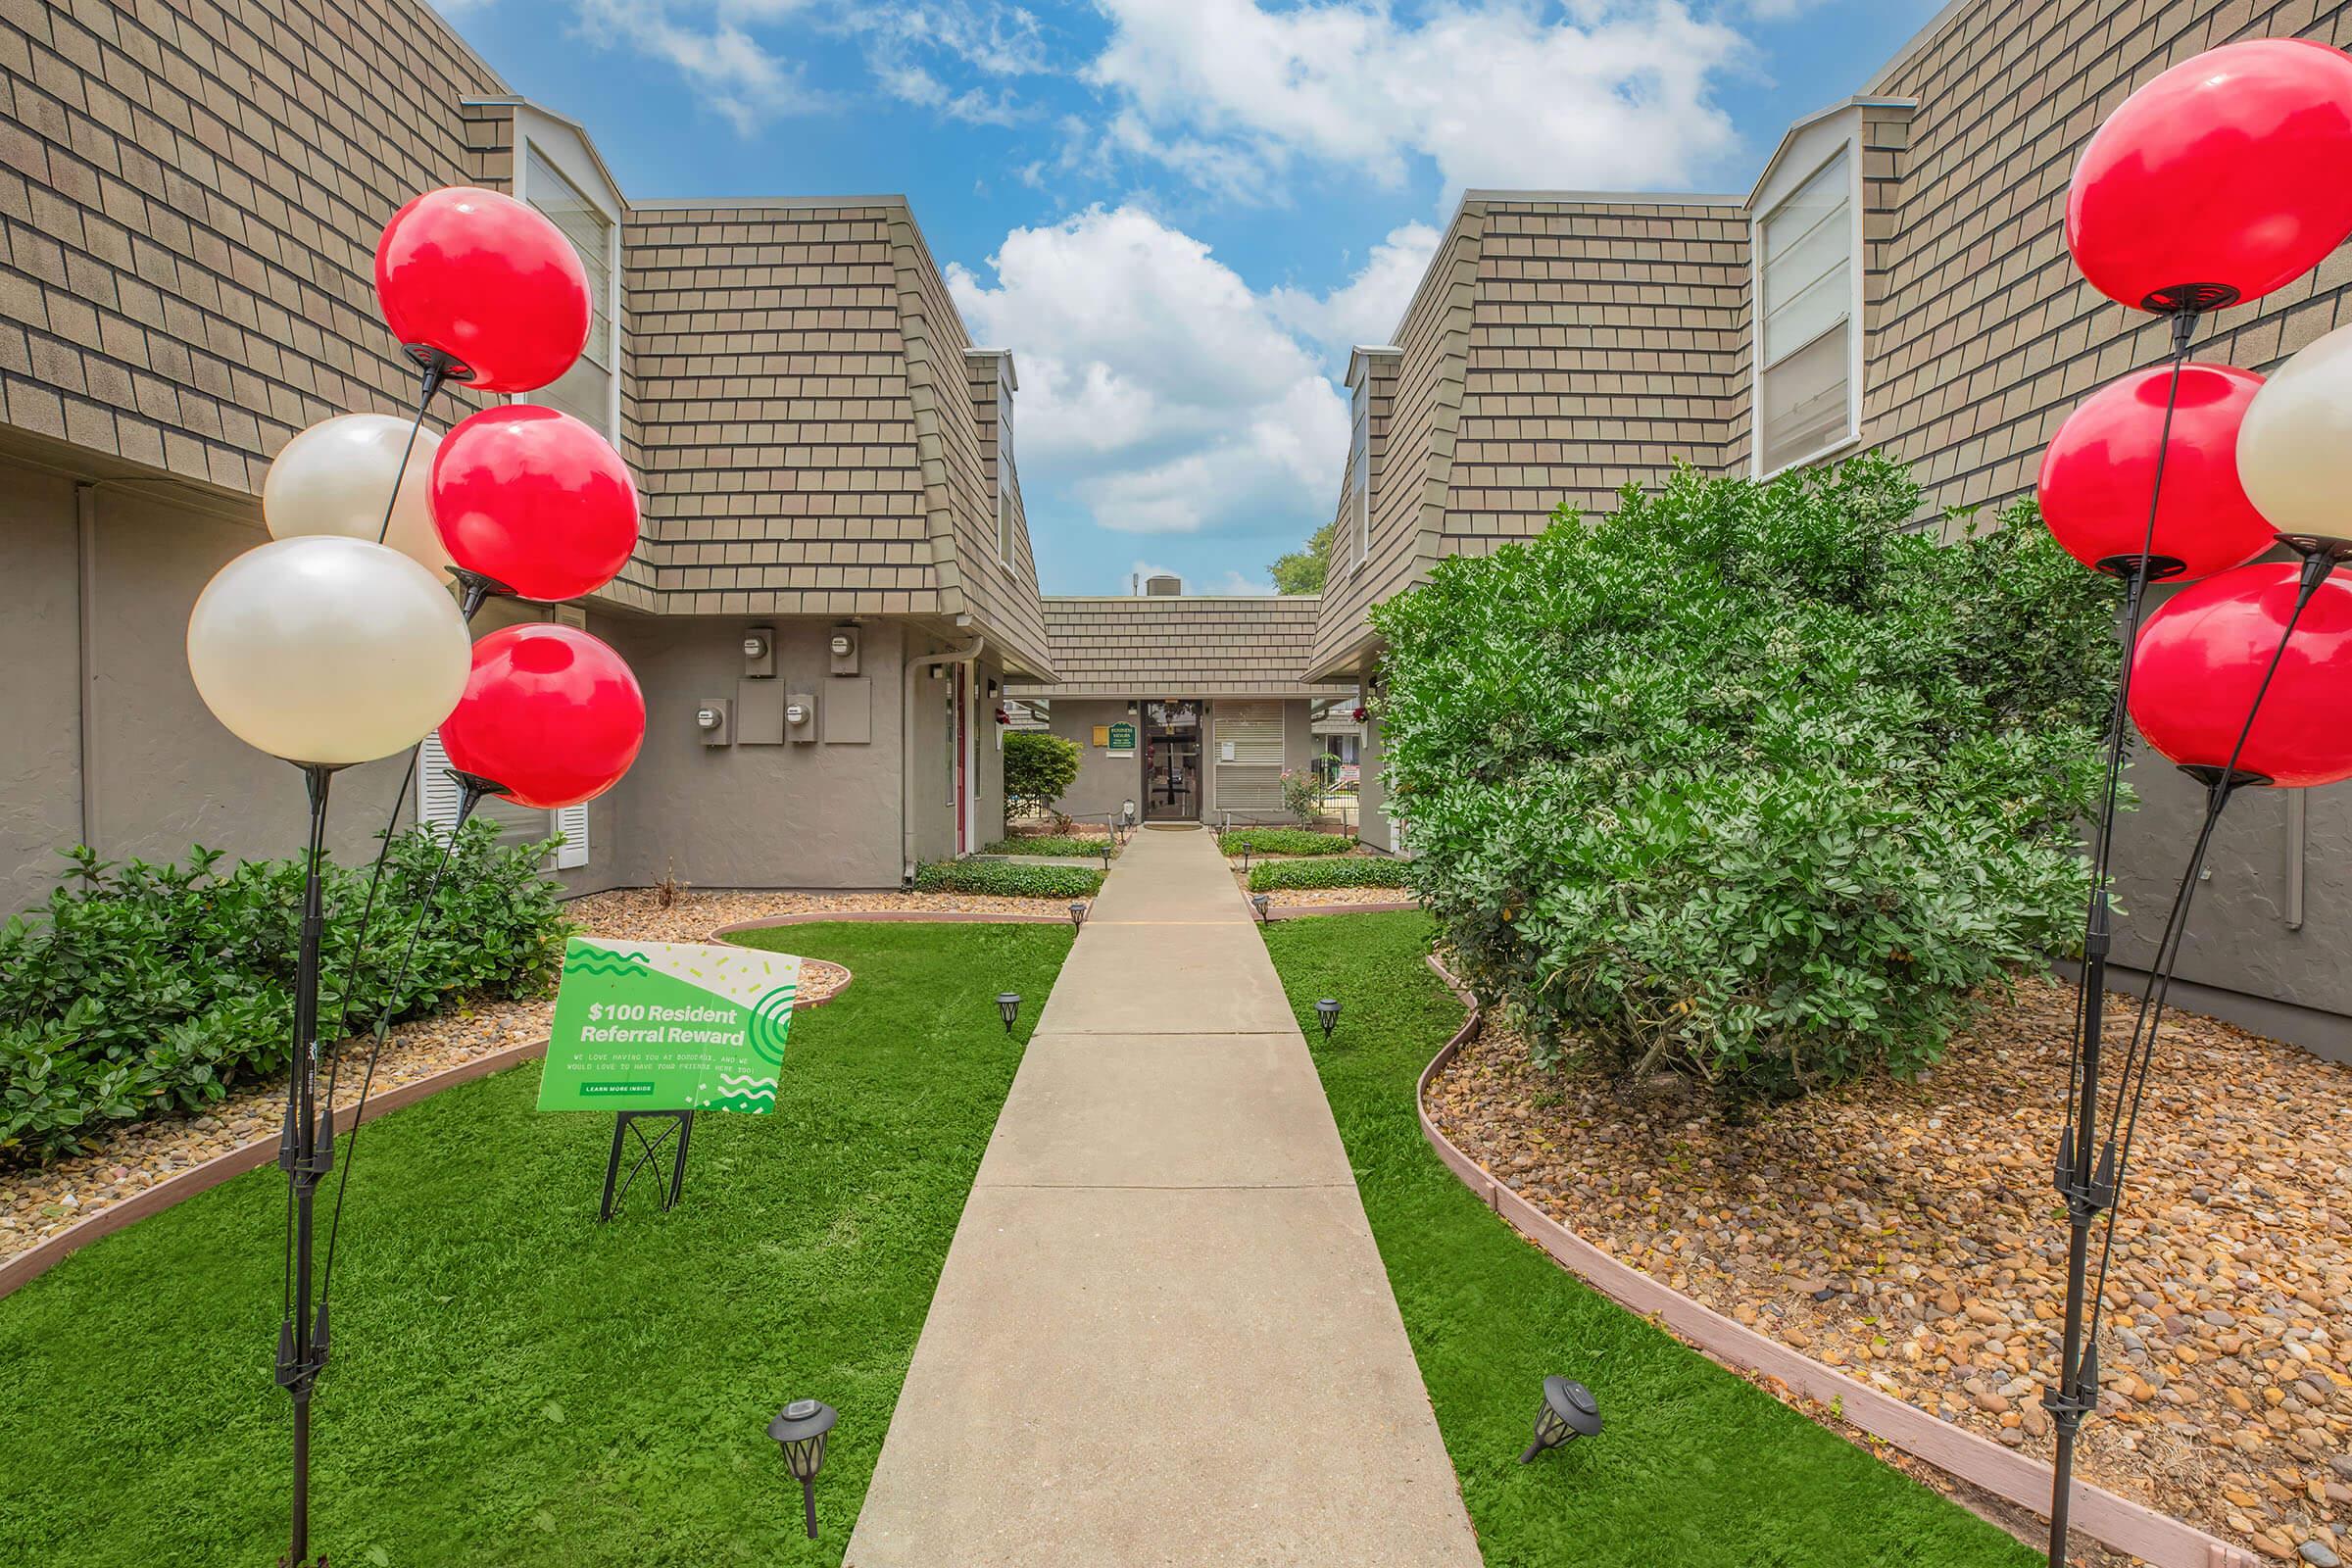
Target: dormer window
1810, 279
588, 390
1005, 479
1360, 469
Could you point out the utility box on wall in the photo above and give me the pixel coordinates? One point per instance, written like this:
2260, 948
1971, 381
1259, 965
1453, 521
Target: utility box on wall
800, 716
841, 646
714, 718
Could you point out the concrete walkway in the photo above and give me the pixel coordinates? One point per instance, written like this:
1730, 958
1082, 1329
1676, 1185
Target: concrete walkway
1163, 1336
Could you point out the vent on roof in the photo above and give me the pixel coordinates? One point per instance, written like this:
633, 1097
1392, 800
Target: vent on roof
1160, 585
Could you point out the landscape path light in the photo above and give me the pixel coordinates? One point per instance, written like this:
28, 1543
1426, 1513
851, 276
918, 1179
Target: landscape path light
1568, 1411
800, 1430
1260, 902
1008, 1007
1327, 1014
1077, 916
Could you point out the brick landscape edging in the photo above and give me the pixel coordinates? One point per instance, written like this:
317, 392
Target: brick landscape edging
42, 1256
2113, 1520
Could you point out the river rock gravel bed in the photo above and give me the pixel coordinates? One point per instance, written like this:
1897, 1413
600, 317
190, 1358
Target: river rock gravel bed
1907, 1233
38, 1202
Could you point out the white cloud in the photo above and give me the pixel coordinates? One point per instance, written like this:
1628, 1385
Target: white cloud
1368, 307
744, 82
1166, 394
1603, 93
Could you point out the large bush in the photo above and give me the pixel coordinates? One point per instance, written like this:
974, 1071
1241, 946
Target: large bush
1750, 780
139, 990
1039, 768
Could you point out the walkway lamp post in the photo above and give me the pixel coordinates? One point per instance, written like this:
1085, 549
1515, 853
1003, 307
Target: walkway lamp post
1568, 1411
1260, 902
1077, 916
800, 1430
1327, 1014
1008, 1007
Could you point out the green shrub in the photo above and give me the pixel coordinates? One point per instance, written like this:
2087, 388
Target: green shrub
1007, 879
1356, 872
1283, 841
1038, 769
1054, 844
141, 990
1748, 780
1302, 793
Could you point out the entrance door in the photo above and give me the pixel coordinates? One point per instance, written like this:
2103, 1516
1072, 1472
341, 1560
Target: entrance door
1171, 761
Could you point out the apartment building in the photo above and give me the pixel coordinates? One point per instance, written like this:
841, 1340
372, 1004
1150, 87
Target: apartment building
1184, 706
190, 198
1896, 276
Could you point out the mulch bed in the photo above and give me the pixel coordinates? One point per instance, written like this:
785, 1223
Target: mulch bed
38, 1202
1907, 1232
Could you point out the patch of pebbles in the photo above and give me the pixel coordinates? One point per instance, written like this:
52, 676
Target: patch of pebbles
1907, 1233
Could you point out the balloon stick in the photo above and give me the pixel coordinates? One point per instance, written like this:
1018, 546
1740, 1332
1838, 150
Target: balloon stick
2082, 1173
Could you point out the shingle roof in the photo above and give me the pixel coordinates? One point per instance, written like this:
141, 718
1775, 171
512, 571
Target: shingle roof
1182, 645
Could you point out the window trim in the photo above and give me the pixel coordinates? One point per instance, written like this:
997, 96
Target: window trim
1847, 143
1005, 465
547, 137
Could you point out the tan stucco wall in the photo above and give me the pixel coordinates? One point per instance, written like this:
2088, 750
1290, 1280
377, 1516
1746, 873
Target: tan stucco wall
813, 813
163, 773
1105, 782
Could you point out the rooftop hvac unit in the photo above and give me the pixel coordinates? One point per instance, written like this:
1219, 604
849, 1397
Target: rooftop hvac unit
1163, 586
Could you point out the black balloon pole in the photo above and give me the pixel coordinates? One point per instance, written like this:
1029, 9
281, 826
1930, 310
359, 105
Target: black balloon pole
306, 1140
2083, 1172
2093, 1191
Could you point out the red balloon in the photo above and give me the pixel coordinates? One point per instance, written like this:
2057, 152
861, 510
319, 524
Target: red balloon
486, 280
2099, 472
532, 498
551, 714
2201, 657
2232, 171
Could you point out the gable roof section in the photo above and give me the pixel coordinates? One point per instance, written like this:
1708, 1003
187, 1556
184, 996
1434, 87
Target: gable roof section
1182, 645
797, 408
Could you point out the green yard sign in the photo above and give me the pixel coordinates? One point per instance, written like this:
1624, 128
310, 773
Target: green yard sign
1122, 737
669, 1026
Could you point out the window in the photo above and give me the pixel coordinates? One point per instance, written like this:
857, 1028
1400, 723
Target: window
1359, 468
1004, 482
1808, 280
438, 799
584, 391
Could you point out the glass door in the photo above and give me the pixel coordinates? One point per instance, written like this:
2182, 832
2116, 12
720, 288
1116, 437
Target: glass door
1172, 761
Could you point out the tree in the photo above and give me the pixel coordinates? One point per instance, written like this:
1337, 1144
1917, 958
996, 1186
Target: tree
1038, 769
1301, 570
1750, 781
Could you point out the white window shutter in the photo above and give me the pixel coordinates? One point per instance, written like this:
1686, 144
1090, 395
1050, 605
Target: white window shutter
572, 822
438, 797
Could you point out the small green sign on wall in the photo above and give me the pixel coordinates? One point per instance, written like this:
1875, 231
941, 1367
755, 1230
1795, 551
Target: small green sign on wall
1122, 738
669, 1026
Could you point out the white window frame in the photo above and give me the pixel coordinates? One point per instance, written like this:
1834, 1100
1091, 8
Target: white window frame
1359, 468
567, 152
1004, 469
1771, 194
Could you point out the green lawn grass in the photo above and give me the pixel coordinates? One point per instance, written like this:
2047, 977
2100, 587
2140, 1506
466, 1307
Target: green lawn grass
1696, 1467
513, 1383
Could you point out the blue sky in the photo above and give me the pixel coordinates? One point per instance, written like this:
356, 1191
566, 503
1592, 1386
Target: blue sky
1178, 214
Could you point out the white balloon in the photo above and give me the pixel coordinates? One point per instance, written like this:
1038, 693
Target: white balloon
324, 649
2294, 450
336, 477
